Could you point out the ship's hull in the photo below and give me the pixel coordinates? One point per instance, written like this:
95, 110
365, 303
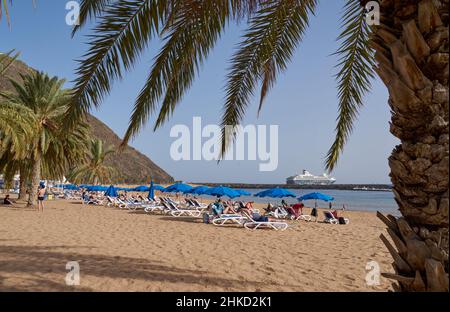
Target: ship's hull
310, 182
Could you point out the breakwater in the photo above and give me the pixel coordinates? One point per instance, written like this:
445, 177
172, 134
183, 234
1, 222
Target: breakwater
349, 187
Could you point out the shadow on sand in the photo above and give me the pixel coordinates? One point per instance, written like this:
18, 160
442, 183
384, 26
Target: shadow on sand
44, 269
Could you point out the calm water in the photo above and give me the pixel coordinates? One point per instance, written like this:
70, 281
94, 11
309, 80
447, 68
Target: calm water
353, 200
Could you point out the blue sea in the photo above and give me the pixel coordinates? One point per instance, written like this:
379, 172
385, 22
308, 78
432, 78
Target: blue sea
382, 201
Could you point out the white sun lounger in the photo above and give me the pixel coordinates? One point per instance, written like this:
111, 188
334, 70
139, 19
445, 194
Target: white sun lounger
329, 218
177, 212
229, 218
253, 225
304, 217
153, 207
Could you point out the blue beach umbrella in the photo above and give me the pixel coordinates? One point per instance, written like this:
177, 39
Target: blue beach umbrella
97, 188
275, 193
316, 196
220, 191
67, 186
141, 188
177, 188
71, 187
158, 188
198, 190
151, 191
111, 191
126, 189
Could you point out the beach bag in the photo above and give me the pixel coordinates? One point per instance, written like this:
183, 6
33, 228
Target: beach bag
314, 212
342, 220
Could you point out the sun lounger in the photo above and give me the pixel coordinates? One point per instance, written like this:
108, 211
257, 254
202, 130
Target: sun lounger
199, 205
229, 218
330, 218
153, 206
279, 213
303, 217
181, 212
95, 202
252, 224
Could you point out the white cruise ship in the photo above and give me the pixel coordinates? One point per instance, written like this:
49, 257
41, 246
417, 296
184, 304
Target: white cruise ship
309, 179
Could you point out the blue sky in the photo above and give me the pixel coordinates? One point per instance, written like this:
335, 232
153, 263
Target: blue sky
303, 103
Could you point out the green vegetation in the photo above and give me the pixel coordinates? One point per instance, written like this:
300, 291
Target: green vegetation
94, 171
48, 147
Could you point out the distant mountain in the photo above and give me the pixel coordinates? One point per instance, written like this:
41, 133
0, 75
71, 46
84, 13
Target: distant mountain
132, 167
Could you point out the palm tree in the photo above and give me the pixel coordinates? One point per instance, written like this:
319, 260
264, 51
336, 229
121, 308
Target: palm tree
94, 169
408, 50
49, 148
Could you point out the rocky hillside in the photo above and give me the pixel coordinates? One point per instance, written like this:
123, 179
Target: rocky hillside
132, 166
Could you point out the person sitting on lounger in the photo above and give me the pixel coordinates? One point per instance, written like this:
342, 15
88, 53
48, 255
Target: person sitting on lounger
284, 204
7, 201
85, 196
255, 216
269, 208
249, 205
340, 219
219, 209
296, 210
229, 207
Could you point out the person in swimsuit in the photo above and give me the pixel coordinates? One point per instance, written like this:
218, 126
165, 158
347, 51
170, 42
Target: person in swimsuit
41, 197
248, 212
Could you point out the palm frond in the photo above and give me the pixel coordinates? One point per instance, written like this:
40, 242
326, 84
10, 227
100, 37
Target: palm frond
123, 33
190, 37
5, 8
6, 60
355, 74
89, 10
268, 45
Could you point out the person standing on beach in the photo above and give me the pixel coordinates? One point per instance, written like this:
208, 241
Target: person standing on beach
41, 197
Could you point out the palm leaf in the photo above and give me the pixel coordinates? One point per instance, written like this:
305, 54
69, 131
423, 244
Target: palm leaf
89, 10
355, 74
268, 45
123, 33
5, 8
6, 60
190, 36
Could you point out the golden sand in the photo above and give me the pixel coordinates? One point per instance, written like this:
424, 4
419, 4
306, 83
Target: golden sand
119, 250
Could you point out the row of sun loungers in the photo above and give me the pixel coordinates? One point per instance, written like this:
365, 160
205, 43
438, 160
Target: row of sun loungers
192, 208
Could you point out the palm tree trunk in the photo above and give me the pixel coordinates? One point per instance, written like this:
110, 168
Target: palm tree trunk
23, 184
35, 179
412, 54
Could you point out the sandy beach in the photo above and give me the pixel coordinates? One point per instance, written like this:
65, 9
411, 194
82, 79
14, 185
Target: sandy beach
120, 250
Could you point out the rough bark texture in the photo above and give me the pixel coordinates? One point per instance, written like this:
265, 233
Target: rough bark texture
411, 47
35, 180
22, 185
